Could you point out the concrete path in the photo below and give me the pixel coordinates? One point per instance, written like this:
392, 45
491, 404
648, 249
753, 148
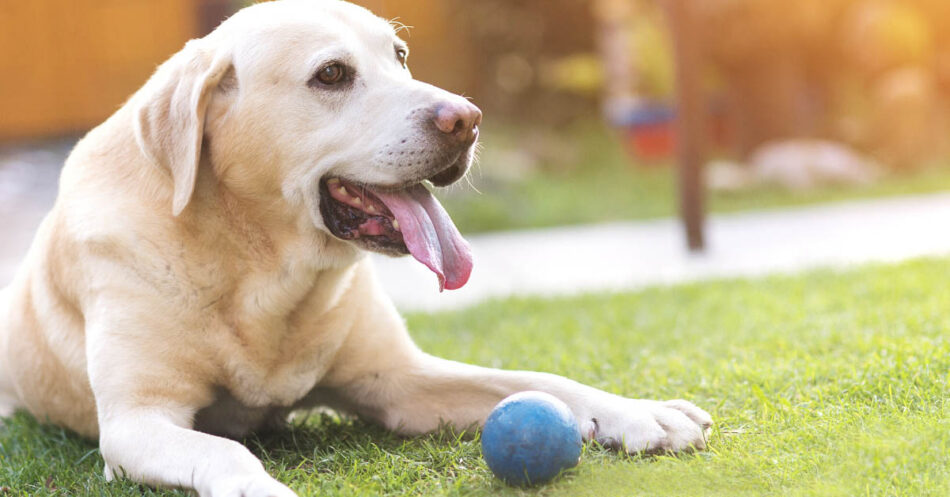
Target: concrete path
631, 255
579, 259
28, 180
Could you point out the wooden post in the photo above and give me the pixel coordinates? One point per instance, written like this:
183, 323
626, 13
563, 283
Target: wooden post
213, 12
690, 121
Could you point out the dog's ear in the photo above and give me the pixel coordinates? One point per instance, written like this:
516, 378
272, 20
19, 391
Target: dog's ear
170, 114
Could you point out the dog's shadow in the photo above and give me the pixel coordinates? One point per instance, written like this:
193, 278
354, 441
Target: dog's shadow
43, 459
353, 450
329, 443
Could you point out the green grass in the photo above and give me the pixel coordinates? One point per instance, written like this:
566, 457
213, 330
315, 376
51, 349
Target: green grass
829, 383
593, 180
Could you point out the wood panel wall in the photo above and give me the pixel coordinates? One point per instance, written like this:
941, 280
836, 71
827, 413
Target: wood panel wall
65, 65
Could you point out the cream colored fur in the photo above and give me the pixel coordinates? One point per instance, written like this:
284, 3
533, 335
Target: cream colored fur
184, 278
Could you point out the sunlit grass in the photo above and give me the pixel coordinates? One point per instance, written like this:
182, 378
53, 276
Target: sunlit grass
823, 384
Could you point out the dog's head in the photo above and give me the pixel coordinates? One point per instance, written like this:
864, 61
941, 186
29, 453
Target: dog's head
310, 104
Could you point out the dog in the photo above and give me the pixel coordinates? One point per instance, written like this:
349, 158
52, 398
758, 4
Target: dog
203, 272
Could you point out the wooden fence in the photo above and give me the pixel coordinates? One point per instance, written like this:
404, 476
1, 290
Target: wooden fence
67, 64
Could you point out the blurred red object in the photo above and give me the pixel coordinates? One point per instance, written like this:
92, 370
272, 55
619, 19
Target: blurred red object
649, 132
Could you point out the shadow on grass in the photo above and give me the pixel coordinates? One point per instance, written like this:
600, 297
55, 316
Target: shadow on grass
323, 441
316, 455
327, 451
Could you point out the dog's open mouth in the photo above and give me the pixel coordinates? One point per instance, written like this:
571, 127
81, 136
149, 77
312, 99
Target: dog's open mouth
404, 221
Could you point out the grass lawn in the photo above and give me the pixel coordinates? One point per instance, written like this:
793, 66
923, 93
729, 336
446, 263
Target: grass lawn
830, 383
597, 182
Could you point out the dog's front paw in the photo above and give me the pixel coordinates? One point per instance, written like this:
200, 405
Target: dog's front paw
249, 486
649, 426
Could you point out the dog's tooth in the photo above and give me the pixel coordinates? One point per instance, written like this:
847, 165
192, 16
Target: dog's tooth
371, 209
357, 200
342, 191
333, 181
395, 225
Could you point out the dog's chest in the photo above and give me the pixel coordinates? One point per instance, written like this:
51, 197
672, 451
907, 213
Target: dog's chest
279, 339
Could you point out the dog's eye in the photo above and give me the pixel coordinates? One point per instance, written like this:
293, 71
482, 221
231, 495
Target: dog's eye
401, 55
331, 74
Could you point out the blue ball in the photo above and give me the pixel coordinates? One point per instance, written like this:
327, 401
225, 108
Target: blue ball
529, 438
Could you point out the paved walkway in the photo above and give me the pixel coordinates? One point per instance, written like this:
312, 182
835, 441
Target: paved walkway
632, 255
28, 179
571, 260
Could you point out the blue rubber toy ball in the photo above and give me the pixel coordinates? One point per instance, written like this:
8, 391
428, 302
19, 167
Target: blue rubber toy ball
529, 438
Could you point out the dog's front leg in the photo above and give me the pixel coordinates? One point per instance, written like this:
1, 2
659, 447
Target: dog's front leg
431, 391
154, 446
382, 375
149, 380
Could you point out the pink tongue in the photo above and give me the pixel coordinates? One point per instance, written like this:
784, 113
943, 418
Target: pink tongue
430, 235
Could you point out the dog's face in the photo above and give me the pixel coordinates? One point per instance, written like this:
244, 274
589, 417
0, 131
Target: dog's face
311, 104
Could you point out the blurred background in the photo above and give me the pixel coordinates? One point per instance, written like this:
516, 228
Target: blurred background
799, 102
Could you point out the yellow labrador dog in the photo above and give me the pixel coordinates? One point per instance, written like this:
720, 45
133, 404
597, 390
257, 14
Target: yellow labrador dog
202, 273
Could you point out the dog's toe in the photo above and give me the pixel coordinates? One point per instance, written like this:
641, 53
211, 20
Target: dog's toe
699, 416
683, 432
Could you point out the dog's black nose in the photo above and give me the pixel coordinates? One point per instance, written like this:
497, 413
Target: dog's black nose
458, 119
